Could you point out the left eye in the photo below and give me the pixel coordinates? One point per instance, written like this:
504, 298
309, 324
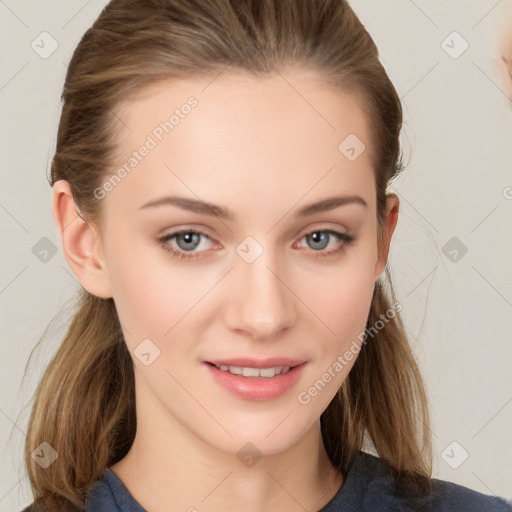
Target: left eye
189, 240
320, 239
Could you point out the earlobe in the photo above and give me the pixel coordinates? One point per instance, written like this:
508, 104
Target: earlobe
392, 208
80, 241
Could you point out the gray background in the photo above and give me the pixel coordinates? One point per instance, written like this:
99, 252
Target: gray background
457, 304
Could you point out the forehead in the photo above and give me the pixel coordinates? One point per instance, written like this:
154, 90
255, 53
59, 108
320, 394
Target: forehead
261, 103
284, 133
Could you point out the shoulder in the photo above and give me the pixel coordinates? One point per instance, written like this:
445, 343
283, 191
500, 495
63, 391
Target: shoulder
370, 485
450, 496
443, 496
100, 497
110, 495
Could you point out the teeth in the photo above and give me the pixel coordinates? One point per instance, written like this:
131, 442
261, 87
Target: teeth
251, 372
255, 372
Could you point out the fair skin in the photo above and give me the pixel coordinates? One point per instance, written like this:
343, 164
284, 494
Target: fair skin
254, 146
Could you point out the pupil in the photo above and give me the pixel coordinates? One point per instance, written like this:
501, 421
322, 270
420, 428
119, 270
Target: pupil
317, 237
188, 239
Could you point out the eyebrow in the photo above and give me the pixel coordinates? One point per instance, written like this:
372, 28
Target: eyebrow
213, 210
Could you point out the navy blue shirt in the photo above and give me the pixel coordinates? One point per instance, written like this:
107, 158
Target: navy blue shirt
368, 487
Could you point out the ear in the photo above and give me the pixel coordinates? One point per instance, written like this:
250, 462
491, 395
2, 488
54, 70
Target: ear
81, 242
392, 207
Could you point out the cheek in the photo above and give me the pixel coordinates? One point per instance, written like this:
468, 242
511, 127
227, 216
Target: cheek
150, 294
343, 308
163, 300
350, 301
342, 297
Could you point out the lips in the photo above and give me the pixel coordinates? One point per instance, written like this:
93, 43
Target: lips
241, 381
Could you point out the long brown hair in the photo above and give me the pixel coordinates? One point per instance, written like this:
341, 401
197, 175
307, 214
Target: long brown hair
84, 405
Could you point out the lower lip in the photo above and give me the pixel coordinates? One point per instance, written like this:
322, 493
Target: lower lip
257, 388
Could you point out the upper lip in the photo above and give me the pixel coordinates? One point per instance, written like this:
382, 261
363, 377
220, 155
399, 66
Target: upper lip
245, 362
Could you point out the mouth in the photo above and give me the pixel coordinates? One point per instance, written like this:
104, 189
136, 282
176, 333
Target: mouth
256, 380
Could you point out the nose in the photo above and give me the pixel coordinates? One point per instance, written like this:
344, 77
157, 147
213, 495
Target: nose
261, 303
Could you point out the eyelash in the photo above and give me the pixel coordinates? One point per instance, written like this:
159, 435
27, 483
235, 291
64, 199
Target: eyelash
347, 239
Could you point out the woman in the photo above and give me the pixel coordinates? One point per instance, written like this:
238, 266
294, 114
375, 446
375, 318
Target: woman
219, 184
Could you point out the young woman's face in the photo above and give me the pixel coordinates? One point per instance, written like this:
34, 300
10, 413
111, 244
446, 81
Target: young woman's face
276, 282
